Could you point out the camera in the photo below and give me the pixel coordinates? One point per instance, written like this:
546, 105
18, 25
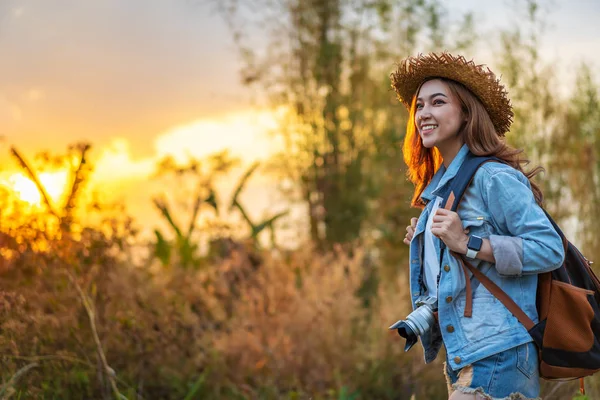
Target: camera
417, 322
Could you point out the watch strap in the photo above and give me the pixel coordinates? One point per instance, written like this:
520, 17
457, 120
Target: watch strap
472, 254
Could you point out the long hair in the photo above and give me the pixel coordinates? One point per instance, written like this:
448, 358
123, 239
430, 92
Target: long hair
478, 133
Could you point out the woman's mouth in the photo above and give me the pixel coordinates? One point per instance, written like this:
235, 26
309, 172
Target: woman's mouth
428, 128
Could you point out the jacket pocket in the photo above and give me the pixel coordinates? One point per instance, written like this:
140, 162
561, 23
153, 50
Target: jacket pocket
489, 316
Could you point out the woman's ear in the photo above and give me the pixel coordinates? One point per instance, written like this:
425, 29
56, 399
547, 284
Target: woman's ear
465, 113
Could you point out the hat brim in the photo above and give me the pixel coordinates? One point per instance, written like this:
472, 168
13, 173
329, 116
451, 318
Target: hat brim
413, 71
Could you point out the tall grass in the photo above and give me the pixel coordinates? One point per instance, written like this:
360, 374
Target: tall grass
290, 325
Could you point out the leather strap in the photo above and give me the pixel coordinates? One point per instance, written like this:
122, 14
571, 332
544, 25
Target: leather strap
496, 291
469, 293
469, 290
450, 201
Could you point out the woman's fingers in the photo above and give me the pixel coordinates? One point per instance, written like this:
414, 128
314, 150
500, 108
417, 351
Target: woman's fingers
409, 235
410, 231
440, 218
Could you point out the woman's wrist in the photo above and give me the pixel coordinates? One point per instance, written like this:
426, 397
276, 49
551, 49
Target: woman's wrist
462, 245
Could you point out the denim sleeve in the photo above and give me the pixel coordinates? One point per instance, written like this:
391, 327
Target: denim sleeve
528, 243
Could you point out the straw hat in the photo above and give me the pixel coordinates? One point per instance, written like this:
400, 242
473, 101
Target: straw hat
412, 71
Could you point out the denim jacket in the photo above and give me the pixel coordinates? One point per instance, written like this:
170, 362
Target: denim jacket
498, 205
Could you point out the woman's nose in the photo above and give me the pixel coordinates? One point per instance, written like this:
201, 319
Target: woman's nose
424, 115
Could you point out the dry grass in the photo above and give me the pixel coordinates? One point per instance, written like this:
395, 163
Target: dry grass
247, 326
250, 326
301, 328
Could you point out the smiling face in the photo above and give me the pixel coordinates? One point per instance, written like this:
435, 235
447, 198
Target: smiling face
438, 117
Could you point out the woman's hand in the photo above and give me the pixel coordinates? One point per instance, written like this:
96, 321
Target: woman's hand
448, 227
410, 231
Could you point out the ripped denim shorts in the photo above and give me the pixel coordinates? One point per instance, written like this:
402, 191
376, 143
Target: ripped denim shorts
510, 375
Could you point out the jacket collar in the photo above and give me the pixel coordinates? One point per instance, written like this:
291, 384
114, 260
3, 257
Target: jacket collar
443, 176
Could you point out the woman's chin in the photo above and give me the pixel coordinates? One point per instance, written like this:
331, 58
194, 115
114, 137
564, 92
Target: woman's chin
428, 144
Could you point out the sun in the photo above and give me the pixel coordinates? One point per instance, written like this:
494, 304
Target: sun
25, 189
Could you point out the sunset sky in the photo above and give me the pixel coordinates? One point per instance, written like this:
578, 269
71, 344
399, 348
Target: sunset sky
141, 79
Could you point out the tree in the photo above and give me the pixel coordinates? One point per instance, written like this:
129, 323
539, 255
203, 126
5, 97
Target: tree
531, 83
561, 134
576, 159
327, 64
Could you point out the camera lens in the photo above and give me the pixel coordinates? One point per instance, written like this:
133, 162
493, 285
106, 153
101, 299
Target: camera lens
421, 319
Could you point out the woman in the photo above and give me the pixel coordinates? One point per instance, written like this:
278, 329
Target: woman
457, 107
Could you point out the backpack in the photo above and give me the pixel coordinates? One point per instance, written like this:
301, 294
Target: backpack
568, 332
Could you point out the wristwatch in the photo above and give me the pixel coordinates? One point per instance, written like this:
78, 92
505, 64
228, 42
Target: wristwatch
473, 246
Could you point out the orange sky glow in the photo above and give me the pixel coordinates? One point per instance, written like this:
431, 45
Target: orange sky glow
144, 79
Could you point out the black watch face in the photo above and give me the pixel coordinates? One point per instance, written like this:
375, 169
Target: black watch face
475, 243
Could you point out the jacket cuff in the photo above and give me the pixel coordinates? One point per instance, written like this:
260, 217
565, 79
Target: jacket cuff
508, 252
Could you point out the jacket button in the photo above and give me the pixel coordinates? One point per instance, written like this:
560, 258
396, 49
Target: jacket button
449, 299
457, 360
447, 268
450, 328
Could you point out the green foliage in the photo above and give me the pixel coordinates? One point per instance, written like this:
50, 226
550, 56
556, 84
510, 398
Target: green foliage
162, 249
196, 387
579, 134
255, 228
185, 243
343, 130
7, 390
562, 135
346, 394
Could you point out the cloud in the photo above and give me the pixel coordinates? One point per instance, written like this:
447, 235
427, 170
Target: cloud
10, 113
245, 134
100, 69
34, 94
120, 175
116, 164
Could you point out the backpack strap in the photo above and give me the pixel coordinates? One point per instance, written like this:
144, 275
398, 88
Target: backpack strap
497, 292
452, 198
463, 179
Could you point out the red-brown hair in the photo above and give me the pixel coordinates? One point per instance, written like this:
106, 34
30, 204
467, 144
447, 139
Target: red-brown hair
478, 133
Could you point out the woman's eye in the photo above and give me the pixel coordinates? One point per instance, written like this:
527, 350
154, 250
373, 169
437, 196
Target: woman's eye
419, 106
438, 101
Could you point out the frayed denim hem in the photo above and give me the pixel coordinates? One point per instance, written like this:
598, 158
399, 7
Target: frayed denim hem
448, 380
479, 391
